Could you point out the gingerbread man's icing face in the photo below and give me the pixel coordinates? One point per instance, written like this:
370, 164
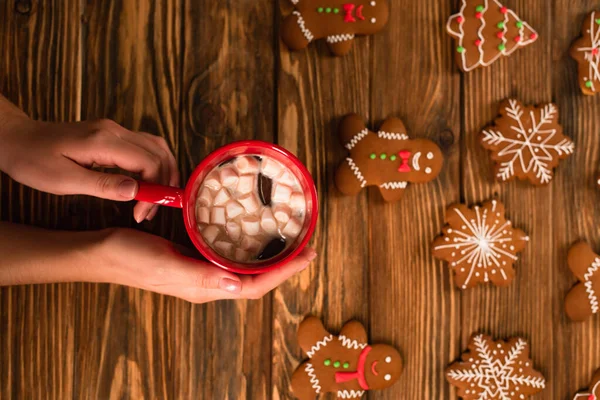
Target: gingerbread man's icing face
383, 366
387, 159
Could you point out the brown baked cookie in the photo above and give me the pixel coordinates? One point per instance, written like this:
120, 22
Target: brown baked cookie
345, 365
338, 21
484, 31
387, 159
492, 370
582, 301
586, 51
480, 244
593, 393
526, 142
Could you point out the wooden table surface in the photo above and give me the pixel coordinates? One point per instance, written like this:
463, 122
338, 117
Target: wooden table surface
203, 73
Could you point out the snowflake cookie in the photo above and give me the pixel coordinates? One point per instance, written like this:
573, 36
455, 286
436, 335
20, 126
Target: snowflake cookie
345, 365
337, 21
586, 51
492, 370
526, 142
484, 31
582, 301
594, 390
480, 244
388, 159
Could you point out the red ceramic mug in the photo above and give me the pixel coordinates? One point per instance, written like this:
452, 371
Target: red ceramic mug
186, 199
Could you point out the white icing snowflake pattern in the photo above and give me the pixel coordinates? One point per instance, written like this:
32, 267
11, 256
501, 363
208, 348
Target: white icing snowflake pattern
479, 248
592, 54
495, 370
530, 145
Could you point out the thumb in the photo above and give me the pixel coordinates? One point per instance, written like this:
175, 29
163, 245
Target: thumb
103, 185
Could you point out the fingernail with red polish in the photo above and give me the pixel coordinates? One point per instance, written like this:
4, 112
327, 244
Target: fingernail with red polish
230, 285
127, 189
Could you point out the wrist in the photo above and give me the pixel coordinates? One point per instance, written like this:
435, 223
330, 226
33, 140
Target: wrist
14, 127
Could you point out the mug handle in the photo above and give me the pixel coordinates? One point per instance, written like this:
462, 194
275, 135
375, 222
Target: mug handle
159, 194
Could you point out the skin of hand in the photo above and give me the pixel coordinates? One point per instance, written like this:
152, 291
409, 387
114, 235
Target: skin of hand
127, 257
57, 157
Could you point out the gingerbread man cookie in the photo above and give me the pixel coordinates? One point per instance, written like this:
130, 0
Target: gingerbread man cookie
345, 365
586, 51
526, 142
492, 370
338, 21
484, 31
480, 244
387, 159
594, 390
582, 301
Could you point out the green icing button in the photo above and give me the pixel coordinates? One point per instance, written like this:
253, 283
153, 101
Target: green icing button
373, 156
588, 84
320, 9
460, 49
501, 47
500, 25
328, 10
519, 24
479, 8
327, 362
336, 10
346, 365
598, 21
393, 158
336, 364
383, 156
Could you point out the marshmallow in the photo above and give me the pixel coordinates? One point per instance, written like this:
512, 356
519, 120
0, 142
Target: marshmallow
233, 209
247, 165
250, 202
287, 178
229, 178
210, 233
292, 229
204, 215
268, 222
282, 213
233, 230
271, 168
212, 181
225, 248
281, 193
222, 197
205, 197
217, 216
250, 244
241, 255
246, 184
297, 201
251, 226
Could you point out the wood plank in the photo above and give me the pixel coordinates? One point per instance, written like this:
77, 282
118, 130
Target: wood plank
227, 94
131, 70
414, 305
532, 306
316, 90
38, 72
577, 350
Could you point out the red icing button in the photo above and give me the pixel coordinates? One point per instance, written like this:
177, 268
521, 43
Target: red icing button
533, 36
500, 34
478, 42
504, 10
460, 19
518, 39
595, 51
592, 397
478, 15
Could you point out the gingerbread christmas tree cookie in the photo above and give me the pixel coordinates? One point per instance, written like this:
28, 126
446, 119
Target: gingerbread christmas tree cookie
345, 365
337, 21
480, 244
484, 31
593, 393
526, 142
495, 370
582, 301
387, 159
586, 51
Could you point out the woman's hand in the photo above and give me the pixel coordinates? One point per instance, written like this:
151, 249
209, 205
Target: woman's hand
137, 259
57, 157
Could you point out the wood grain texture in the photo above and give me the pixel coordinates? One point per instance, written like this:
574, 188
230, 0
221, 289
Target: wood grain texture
205, 73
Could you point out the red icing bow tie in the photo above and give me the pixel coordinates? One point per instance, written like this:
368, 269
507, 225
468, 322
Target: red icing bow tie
405, 156
349, 8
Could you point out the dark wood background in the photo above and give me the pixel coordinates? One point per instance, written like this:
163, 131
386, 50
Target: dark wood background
203, 73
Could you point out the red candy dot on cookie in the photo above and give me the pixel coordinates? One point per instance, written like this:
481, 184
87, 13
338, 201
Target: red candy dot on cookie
592, 397
533, 36
478, 42
595, 51
500, 34
504, 10
460, 20
518, 39
478, 15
